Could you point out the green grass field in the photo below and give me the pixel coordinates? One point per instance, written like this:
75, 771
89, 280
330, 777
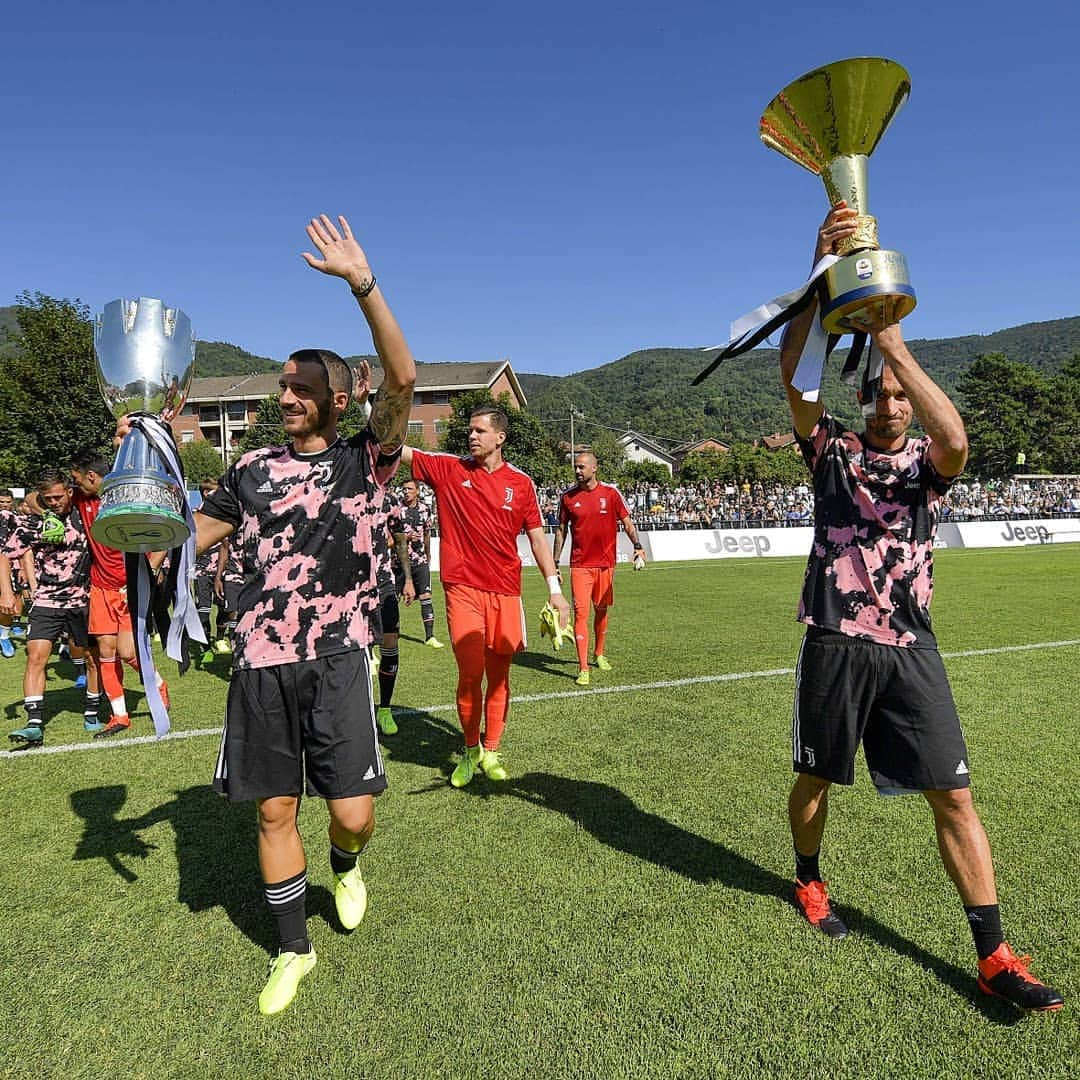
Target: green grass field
618, 909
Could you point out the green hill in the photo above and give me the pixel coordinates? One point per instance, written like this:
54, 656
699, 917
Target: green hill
650, 390
211, 357
221, 358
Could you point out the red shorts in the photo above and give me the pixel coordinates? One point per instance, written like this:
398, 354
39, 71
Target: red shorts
592, 583
109, 611
499, 619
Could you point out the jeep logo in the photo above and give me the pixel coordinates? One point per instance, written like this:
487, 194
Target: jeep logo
1025, 534
727, 545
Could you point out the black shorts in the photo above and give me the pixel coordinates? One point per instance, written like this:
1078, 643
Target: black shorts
50, 624
204, 593
231, 591
421, 578
895, 701
312, 718
388, 619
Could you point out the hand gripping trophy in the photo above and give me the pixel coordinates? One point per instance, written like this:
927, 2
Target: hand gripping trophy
145, 360
830, 121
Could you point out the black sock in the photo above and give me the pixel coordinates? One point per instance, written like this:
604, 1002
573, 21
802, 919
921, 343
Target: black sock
33, 707
287, 901
80, 665
93, 704
985, 923
427, 616
388, 665
806, 867
204, 620
342, 861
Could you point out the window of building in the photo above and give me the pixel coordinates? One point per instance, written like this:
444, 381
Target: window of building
237, 410
416, 427
213, 436
440, 397
187, 436
209, 414
441, 426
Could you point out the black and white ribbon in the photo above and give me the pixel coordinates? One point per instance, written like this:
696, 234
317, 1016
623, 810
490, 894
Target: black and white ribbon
185, 618
755, 326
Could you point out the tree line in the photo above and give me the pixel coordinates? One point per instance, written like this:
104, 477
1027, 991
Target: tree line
1019, 418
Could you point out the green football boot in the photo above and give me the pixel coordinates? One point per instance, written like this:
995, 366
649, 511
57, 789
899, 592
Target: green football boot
466, 767
492, 767
286, 971
350, 898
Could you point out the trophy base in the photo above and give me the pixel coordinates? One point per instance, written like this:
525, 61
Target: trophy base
132, 527
868, 288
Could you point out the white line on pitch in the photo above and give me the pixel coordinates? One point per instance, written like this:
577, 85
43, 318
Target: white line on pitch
521, 699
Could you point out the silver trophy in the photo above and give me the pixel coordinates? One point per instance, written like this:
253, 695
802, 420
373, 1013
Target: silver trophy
145, 360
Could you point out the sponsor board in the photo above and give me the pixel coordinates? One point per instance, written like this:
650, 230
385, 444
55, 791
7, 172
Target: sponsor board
692, 544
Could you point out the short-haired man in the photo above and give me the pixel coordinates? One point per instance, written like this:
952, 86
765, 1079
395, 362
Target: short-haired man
228, 582
416, 584
301, 519
388, 536
58, 565
109, 618
484, 504
869, 669
592, 511
9, 519
206, 571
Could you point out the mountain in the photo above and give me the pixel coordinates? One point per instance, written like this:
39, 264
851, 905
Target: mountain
211, 357
221, 358
650, 390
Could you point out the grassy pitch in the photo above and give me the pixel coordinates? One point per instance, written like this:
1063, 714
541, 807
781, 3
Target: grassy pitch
619, 908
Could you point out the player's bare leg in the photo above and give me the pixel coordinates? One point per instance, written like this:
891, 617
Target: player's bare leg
808, 809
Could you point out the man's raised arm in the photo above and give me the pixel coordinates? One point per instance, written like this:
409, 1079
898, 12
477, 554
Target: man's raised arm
937, 414
839, 223
343, 257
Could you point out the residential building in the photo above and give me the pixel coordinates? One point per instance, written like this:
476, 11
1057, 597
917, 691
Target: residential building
220, 409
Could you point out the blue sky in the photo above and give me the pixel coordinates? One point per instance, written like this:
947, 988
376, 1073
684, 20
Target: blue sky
559, 184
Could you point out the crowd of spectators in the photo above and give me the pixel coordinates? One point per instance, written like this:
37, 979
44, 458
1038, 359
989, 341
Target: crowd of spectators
720, 504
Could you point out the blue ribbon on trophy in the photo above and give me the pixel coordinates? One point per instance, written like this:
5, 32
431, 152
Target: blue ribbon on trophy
145, 361
829, 121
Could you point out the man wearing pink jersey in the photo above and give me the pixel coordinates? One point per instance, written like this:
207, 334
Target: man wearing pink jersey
484, 504
593, 512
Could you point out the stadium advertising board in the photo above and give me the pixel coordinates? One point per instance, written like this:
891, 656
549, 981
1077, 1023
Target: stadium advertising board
679, 545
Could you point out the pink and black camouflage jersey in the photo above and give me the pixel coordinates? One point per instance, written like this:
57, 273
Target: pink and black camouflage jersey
870, 572
206, 563
389, 524
62, 569
415, 523
304, 529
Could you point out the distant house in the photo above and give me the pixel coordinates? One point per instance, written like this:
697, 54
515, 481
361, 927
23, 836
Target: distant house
698, 446
221, 409
778, 441
640, 447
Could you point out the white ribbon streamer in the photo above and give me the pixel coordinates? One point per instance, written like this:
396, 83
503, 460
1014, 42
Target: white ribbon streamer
808, 371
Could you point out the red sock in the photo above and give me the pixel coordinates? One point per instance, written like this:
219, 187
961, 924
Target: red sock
600, 629
469, 653
497, 701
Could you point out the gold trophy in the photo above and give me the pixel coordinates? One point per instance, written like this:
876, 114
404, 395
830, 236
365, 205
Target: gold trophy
830, 121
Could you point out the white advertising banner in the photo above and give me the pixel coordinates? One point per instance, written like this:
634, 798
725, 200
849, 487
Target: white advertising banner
1011, 533
680, 545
